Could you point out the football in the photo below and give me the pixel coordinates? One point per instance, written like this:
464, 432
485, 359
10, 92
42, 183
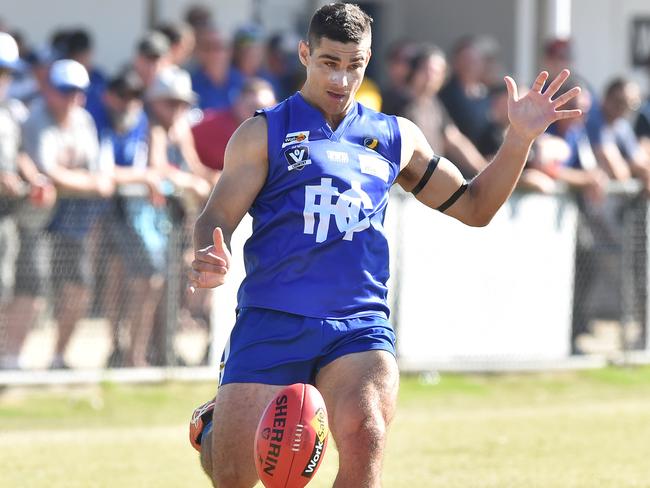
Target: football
291, 437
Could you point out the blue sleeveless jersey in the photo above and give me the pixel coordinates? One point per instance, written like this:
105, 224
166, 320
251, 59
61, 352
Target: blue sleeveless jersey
318, 247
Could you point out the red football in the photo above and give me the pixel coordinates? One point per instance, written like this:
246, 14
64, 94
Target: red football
291, 437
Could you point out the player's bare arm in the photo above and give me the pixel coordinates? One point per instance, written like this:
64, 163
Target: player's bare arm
439, 184
244, 174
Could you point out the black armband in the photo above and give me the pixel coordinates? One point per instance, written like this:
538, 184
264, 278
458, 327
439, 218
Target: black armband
431, 167
452, 199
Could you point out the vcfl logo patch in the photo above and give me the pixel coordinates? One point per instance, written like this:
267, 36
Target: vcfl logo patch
297, 157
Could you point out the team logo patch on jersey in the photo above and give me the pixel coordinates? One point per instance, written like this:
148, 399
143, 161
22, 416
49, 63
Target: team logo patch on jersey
370, 143
372, 165
297, 157
295, 138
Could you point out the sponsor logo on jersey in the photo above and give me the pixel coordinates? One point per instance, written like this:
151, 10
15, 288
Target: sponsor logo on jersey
372, 165
371, 143
295, 138
297, 157
338, 156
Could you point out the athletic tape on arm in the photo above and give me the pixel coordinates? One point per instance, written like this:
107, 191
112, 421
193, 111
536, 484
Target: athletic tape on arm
431, 167
455, 196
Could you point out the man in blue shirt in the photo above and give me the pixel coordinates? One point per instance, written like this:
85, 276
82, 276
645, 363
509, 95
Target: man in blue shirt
216, 83
133, 244
314, 172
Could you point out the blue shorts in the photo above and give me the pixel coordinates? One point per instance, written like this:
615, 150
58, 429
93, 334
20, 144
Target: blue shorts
279, 348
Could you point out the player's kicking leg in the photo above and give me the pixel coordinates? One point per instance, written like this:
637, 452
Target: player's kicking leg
360, 391
227, 446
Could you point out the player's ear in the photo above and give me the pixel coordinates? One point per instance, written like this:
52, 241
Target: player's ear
303, 53
369, 56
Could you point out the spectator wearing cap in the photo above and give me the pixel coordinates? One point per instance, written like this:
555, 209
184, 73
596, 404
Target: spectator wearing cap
465, 96
171, 145
79, 46
152, 56
427, 71
173, 153
214, 80
212, 134
61, 138
133, 247
181, 41
19, 179
248, 51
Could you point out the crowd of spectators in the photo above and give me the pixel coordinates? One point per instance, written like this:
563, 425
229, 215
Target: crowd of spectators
90, 163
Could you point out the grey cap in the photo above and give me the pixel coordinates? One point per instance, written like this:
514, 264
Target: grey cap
153, 45
172, 83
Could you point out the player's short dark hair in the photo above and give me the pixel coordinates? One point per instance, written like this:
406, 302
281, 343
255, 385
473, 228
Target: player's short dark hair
342, 22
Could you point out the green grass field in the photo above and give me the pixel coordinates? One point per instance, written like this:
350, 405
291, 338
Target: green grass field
587, 429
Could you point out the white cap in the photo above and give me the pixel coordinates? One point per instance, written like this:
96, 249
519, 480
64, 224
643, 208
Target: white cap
8, 52
67, 74
172, 83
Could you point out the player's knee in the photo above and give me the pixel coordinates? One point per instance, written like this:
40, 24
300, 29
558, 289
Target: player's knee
364, 430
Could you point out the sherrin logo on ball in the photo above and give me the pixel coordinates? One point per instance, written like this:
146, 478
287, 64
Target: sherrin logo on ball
291, 437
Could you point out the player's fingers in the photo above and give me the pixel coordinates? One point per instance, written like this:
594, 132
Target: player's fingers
511, 86
208, 255
217, 239
201, 279
567, 114
557, 83
538, 84
202, 266
562, 99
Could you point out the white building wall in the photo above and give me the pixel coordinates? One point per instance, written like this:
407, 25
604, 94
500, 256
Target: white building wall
115, 25
601, 33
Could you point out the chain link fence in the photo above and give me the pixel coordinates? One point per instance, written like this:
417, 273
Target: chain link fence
93, 284
96, 284
610, 283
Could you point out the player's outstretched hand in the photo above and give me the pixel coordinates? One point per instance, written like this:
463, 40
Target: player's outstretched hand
211, 263
531, 114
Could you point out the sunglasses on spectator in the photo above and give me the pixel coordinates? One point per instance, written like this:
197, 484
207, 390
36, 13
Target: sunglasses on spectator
68, 90
174, 103
128, 96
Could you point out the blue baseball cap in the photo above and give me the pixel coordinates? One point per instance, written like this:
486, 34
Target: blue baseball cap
67, 75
